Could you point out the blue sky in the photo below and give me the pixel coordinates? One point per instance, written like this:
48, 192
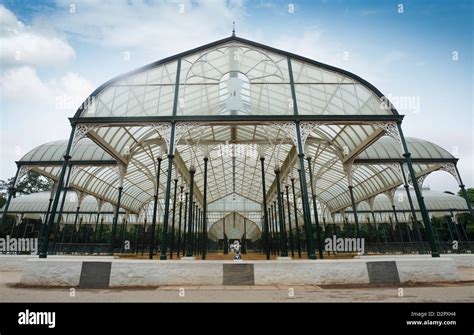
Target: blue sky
54, 52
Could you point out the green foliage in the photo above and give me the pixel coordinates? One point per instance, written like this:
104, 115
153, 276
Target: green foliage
31, 183
470, 194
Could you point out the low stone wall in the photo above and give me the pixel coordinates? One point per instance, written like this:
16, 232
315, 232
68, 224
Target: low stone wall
464, 260
318, 272
418, 270
158, 273
17, 262
103, 273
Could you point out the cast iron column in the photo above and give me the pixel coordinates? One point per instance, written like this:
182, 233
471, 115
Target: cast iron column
65, 190
298, 242
354, 209
315, 209
114, 221
173, 217
412, 208
204, 213
164, 240
265, 213
304, 196
292, 245
189, 249
178, 249
281, 218
398, 227
75, 223
421, 203
44, 247
185, 222
155, 209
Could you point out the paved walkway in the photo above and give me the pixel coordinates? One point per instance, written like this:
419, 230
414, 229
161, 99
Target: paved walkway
461, 292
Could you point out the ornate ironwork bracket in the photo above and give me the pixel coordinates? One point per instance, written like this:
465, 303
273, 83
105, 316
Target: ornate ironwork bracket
391, 130
81, 132
451, 169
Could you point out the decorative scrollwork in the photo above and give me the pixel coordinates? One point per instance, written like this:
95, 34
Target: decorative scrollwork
391, 129
451, 169
181, 129
81, 132
164, 130
288, 128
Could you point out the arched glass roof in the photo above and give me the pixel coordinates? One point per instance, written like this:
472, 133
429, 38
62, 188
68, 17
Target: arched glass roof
387, 148
437, 204
54, 151
205, 76
203, 90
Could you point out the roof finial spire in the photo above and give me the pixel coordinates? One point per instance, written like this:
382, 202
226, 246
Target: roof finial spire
233, 28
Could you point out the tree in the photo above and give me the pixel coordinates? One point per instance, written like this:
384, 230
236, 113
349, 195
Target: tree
470, 194
31, 183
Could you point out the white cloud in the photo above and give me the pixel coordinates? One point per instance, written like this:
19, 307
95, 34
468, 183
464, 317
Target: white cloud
28, 45
22, 84
34, 111
161, 27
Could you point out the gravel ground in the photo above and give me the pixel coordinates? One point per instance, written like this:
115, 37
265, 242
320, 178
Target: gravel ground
459, 292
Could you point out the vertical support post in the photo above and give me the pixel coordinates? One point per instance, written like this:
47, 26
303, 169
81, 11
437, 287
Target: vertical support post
354, 210
272, 230
75, 223
173, 217
398, 227
265, 213
275, 227
281, 217
185, 222
171, 149
315, 210
114, 221
44, 247
304, 195
204, 213
178, 248
164, 239
295, 208
143, 235
226, 247
194, 230
96, 226
412, 209
376, 231
189, 249
421, 203
244, 242
101, 228
63, 199
292, 245
155, 208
